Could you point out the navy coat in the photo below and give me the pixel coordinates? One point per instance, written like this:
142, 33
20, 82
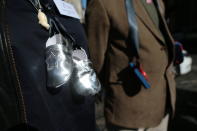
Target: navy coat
37, 108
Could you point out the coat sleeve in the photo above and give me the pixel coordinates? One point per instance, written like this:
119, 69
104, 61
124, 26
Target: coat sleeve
97, 28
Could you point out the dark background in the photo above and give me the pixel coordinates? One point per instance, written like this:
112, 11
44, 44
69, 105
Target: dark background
181, 16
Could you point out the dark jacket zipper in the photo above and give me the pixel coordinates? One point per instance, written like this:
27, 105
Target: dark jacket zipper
15, 72
12, 63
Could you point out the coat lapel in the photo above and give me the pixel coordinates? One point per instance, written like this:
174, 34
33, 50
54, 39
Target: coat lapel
167, 32
170, 39
143, 15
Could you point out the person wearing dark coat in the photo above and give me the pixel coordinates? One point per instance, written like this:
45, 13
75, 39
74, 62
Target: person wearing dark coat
25, 102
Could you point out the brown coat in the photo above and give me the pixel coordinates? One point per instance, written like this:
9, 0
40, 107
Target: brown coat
128, 103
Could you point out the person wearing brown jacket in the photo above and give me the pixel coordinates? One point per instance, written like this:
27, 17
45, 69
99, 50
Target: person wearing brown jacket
128, 105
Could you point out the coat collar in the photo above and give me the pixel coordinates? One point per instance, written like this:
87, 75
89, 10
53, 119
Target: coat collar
143, 15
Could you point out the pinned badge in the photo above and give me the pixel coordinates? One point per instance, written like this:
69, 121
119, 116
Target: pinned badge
149, 1
141, 75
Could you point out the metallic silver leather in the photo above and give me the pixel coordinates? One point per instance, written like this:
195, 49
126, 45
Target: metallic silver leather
59, 65
84, 80
65, 65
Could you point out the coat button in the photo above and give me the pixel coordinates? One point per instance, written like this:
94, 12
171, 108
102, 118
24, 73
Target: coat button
163, 48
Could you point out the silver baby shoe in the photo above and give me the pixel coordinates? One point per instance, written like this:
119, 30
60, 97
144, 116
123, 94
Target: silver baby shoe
84, 79
58, 61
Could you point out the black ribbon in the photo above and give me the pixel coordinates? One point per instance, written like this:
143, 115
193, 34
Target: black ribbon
55, 25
